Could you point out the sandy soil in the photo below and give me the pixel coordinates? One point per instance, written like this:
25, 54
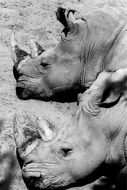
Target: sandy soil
32, 19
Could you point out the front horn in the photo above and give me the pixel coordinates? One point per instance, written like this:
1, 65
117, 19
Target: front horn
25, 134
16, 52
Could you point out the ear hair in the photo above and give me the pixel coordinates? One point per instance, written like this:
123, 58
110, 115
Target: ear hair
68, 24
70, 15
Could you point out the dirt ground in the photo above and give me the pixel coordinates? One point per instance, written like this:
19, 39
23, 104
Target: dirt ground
32, 19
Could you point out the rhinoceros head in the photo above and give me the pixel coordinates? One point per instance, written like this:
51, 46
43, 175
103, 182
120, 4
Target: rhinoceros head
41, 74
50, 158
74, 63
92, 145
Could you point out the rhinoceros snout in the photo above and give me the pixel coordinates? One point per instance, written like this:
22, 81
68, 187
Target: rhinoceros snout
19, 91
16, 73
22, 92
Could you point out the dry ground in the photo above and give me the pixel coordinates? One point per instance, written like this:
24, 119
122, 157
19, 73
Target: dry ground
32, 19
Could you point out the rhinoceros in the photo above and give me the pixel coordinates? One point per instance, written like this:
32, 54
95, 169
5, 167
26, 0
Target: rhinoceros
92, 145
88, 45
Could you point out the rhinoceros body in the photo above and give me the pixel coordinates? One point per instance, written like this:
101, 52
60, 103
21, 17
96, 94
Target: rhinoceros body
94, 144
96, 42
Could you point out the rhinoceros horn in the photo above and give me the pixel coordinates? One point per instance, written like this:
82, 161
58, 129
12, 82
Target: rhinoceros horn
68, 20
25, 135
16, 52
46, 129
18, 131
35, 48
28, 132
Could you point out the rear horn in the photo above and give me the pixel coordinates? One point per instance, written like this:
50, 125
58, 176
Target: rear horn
46, 129
35, 48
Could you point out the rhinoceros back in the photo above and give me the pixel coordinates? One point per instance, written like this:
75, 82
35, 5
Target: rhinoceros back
103, 31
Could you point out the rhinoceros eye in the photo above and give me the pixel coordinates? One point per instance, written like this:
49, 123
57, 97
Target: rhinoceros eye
43, 64
64, 152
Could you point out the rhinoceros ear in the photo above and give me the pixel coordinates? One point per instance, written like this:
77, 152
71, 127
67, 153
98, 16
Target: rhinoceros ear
35, 48
107, 88
46, 129
114, 87
66, 20
16, 52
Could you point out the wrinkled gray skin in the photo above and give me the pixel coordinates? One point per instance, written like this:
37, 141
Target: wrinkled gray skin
89, 45
94, 144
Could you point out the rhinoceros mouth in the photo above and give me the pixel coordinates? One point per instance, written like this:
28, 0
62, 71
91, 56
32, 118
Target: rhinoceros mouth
21, 84
35, 172
22, 92
42, 168
33, 165
37, 176
32, 170
44, 176
26, 90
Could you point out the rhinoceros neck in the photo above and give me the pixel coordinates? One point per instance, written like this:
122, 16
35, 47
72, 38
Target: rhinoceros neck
117, 147
102, 32
117, 56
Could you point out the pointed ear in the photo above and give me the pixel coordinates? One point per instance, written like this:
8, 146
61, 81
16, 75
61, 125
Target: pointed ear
16, 52
66, 20
115, 87
35, 48
107, 89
